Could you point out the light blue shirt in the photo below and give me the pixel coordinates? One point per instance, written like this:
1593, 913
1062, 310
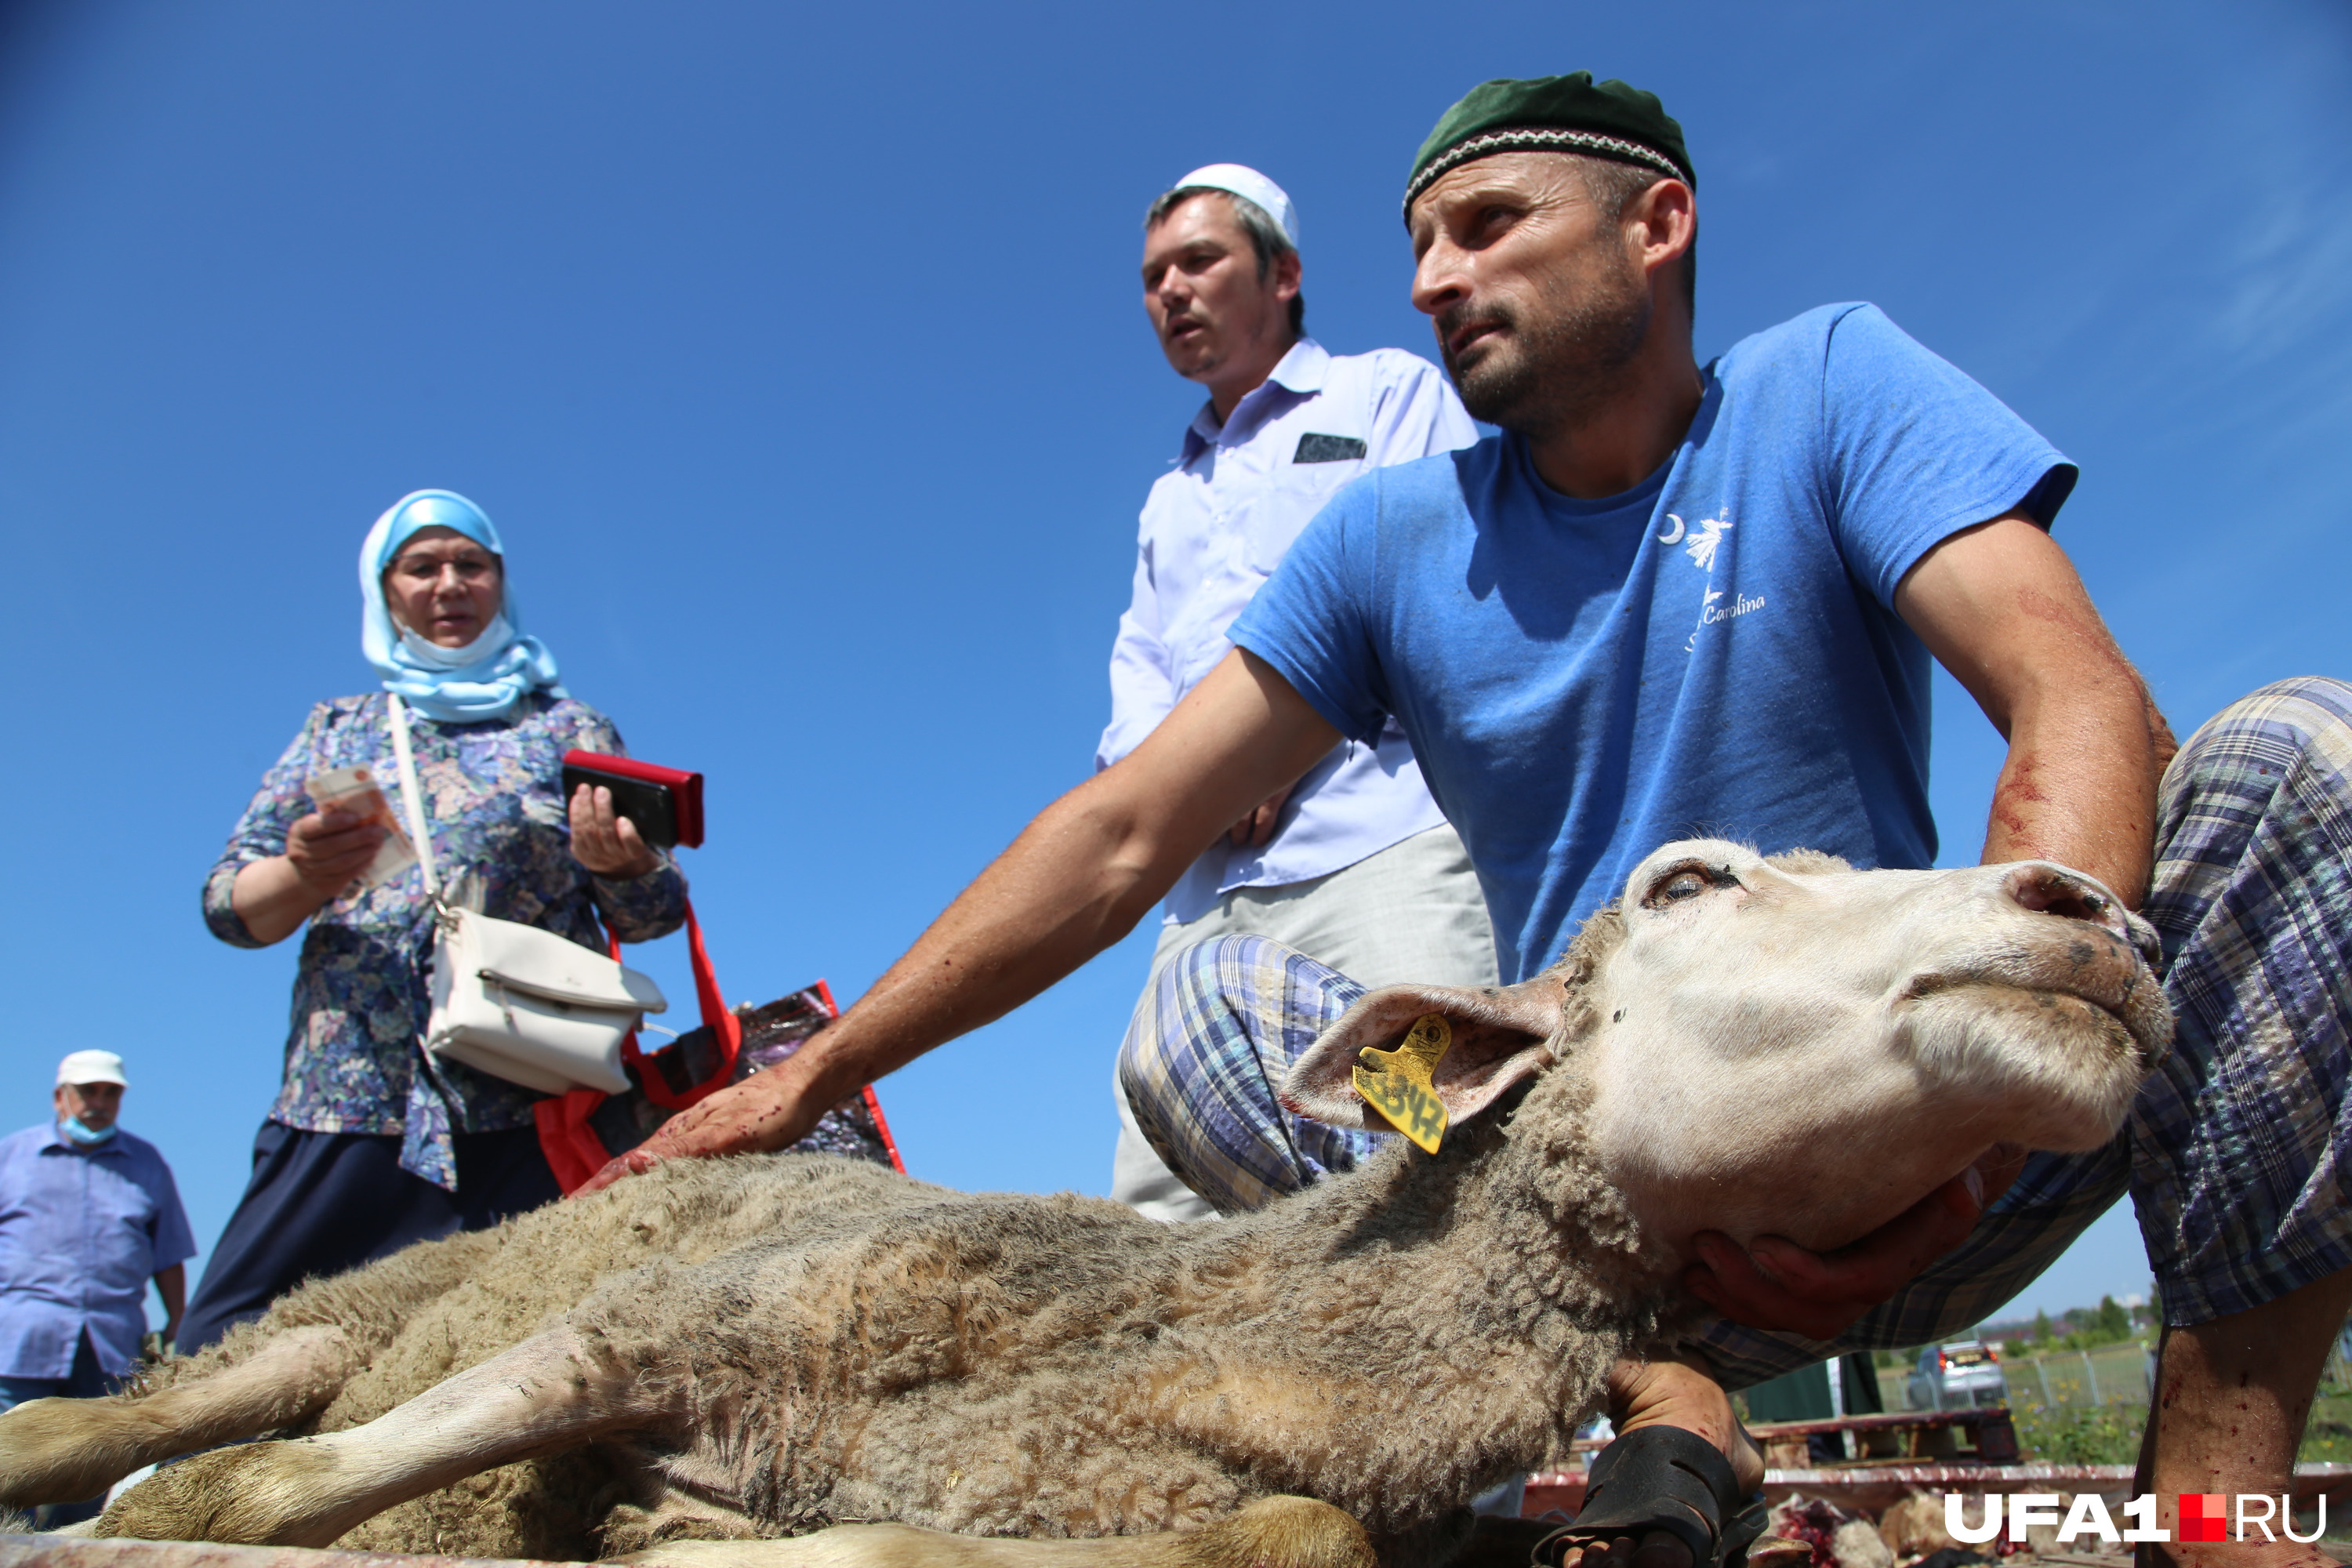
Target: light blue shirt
81, 1232
1215, 527
1715, 652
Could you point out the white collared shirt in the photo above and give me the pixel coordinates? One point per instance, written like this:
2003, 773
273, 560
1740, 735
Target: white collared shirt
1215, 527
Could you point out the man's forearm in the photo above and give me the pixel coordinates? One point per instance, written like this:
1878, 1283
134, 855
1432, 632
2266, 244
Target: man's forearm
1077, 880
2232, 1400
1072, 883
2079, 784
2002, 607
172, 1285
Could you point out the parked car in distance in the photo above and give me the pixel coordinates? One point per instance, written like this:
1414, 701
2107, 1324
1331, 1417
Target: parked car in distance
1955, 1376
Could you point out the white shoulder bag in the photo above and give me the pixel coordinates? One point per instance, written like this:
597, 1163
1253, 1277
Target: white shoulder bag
511, 1000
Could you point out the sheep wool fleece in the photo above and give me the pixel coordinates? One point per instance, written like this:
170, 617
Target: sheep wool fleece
865, 1346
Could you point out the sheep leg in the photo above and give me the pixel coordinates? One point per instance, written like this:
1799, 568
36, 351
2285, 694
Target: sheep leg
1272, 1533
546, 1394
61, 1450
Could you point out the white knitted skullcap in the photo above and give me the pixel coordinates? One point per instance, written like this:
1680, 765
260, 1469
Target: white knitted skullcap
1243, 181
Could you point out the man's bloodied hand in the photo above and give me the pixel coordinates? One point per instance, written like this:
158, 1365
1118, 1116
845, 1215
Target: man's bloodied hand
1667, 1393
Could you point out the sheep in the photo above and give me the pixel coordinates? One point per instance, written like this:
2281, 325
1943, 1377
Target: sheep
766, 1346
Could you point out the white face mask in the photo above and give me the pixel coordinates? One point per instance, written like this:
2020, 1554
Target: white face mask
433, 655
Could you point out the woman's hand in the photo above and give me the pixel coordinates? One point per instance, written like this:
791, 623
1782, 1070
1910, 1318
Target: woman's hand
603, 840
327, 848
323, 852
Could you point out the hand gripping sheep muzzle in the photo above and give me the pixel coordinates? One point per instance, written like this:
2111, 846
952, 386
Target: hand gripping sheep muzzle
1663, 1477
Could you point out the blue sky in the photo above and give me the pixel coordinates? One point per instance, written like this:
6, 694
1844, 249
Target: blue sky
798, 353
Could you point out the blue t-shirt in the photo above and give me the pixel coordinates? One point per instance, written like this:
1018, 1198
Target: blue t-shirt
1713, 653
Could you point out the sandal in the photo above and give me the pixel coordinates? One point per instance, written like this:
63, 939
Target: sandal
1663, 1477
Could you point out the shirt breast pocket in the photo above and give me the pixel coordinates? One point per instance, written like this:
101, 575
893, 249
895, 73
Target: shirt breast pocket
1295, 494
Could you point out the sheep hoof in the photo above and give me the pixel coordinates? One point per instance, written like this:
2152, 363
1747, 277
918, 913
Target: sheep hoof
61, 1450
255, 1494
1282, 1532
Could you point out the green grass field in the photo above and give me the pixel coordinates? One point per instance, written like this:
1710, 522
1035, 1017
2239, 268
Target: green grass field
2069, 1429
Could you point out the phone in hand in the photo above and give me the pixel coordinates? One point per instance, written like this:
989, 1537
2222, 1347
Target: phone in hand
665, 803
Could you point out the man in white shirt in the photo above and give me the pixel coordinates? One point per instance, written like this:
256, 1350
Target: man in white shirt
1354, 864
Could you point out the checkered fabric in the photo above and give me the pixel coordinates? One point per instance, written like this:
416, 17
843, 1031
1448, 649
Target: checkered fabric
1203, 1053
2232, 1153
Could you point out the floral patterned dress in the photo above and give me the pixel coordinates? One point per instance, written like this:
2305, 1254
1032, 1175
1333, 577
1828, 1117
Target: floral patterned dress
493, 789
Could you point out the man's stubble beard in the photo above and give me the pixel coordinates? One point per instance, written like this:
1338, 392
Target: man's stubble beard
1566, 367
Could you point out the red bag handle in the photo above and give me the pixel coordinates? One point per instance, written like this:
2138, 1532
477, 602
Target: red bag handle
724, 1025
574, 1152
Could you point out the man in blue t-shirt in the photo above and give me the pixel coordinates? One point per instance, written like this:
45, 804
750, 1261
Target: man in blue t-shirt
1705, 635
1674, 600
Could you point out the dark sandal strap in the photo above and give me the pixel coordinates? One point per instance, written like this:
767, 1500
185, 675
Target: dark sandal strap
1663, 1477
1740, 1534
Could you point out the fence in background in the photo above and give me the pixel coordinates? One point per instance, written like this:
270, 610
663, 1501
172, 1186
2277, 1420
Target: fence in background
2112, 1374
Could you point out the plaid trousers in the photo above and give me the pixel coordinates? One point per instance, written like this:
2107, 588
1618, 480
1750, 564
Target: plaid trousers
2234, 1152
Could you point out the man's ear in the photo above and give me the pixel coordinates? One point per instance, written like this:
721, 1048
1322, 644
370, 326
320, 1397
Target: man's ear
1501, 1034
1288, 274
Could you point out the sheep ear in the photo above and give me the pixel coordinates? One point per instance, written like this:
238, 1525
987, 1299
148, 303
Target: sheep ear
1500, 1034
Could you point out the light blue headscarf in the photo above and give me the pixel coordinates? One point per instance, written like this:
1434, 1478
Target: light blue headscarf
487, 677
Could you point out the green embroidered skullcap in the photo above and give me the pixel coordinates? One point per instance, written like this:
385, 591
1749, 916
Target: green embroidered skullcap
1553, 114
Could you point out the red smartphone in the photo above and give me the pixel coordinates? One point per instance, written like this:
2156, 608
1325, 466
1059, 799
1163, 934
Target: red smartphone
665, 803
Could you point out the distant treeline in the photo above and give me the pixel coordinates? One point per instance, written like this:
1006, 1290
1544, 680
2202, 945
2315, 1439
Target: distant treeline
2076, 1329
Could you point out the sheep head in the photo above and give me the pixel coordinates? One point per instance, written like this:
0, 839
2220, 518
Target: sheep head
1785, 1045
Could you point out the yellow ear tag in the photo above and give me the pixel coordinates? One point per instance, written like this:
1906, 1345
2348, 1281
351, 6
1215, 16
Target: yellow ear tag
1398, 1087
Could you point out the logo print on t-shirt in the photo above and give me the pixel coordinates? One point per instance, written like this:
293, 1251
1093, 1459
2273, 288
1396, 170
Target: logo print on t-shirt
1699, 546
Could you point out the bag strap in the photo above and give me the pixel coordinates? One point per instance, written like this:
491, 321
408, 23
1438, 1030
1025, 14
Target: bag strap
574, 1149
726, 1029
413, 797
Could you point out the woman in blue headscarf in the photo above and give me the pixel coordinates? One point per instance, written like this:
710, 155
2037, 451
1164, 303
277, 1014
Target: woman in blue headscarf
370, 1144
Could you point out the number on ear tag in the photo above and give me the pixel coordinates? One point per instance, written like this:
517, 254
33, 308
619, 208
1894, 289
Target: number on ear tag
1398, 1085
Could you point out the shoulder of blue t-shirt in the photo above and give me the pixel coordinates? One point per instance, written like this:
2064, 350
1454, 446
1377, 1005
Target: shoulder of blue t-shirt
1863, 333
1438, 474
1799, 337
1802, 336
1868, 343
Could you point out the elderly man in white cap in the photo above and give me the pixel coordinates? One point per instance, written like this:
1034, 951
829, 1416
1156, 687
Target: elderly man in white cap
1356, 859
89, 1214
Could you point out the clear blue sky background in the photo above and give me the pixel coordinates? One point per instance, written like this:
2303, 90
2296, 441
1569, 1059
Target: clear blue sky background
798, 351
